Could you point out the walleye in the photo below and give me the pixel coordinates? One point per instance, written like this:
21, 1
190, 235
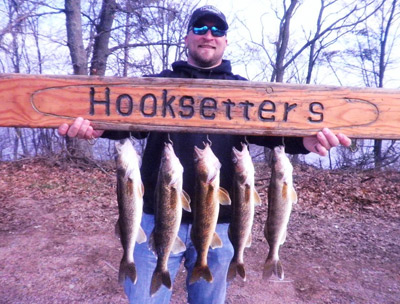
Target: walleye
130, 205
208, 196
281, 196
244, 198
170, 198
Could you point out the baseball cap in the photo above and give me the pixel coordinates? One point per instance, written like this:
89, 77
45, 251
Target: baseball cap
208, 10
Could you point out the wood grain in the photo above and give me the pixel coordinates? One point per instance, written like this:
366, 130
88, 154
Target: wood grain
193, 105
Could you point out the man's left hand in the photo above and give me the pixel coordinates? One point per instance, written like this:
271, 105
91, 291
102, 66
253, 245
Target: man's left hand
324, 140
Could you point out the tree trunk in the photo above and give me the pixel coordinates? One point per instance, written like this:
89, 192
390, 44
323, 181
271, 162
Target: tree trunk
76, 148
282, 44
103, 29
382, 67
75, 37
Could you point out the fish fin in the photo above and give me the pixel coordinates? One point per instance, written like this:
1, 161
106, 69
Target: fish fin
186, 201
178, 246
279, 270
216, 241
257, 198
249, 239
141, 237
117, 230
236, 268
285, 191
266, 231
141, 190
127, 269
152, 245
293, 195
223, 197
241, 271
160, 278
283, 237
273, 267
231, 271
288, 192
201, 272
268, 269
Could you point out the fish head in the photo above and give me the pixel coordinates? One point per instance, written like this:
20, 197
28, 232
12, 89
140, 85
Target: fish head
207, 165
125, 150
127, 156
280, 162
243, 164
119, 144
171, 167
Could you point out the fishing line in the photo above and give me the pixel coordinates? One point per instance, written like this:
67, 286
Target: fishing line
169, 140
208, 140
246, 140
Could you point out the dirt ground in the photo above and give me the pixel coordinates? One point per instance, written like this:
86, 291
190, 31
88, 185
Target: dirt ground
57, 242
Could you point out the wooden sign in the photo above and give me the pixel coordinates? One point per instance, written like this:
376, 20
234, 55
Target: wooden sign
193, 105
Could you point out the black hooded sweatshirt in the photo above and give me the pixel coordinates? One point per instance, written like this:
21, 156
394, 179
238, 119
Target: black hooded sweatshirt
183, 143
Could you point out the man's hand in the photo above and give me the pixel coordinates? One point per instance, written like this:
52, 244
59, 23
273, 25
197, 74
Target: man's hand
80, 128
325, 140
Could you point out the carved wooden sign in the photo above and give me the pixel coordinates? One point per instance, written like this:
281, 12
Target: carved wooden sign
193, 105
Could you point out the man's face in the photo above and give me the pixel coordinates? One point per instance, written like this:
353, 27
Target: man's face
205, 51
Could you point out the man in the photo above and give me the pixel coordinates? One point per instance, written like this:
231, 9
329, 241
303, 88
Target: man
206, 42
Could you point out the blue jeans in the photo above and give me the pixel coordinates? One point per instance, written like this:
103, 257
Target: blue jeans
200, 292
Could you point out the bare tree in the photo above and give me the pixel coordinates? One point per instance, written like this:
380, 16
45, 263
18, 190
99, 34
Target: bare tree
155, 25
388, 17
148, 36
141, 37
371, 57
101, 41
283, 41
333, 22
75, 37
16, 14
75, 147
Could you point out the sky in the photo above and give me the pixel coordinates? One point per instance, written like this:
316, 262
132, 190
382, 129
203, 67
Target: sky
249, 12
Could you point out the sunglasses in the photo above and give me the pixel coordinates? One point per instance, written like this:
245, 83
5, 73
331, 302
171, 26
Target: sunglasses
216, 32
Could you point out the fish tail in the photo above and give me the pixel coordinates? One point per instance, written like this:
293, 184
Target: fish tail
127, 269
160, 278
273, 267
231, 271
236, 268
201, 271
241, 271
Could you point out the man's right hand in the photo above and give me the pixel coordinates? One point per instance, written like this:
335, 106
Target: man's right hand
80, 128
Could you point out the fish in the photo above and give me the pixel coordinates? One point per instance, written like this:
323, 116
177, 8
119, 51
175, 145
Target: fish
207, 198
244, 198
170, 198
130, 192
281, 197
